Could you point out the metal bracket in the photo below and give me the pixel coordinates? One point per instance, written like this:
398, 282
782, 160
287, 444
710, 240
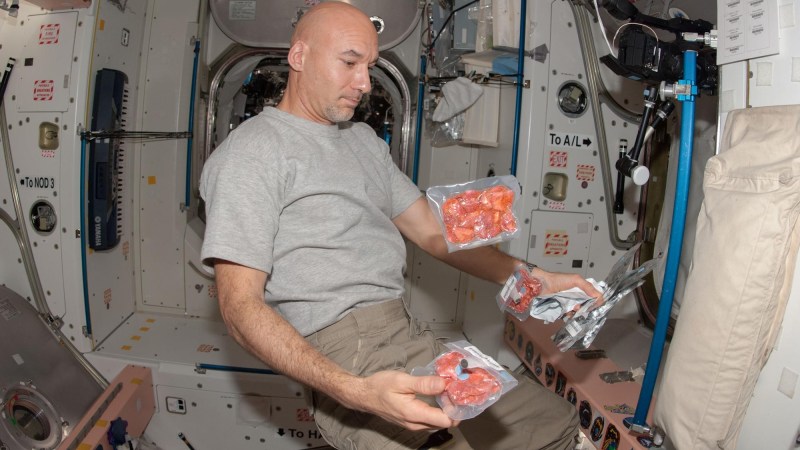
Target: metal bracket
54, 322
682, 90
654, 433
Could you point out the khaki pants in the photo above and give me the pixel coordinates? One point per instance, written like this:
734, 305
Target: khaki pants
381, 337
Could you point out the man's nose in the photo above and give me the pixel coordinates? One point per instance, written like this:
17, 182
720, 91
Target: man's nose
361, 80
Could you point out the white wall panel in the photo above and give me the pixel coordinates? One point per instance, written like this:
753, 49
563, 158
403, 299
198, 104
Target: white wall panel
164, 95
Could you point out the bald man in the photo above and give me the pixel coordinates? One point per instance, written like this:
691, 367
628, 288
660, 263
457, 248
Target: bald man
306, 215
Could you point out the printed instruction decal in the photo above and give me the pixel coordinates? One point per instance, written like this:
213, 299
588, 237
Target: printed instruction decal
556, 243
585, 172
570, 140
48, 33
43, 90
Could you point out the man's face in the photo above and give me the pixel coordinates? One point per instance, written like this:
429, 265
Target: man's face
336, 72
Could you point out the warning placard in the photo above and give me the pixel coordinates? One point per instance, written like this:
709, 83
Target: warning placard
556, 243
43, 90
48, 33
558, 159
585, 172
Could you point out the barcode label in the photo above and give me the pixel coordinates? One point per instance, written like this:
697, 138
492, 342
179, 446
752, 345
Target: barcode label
489, 361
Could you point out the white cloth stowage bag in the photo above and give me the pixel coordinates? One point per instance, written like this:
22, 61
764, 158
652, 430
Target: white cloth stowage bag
738, 285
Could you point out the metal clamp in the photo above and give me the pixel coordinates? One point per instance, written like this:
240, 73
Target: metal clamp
682, 90
654, 433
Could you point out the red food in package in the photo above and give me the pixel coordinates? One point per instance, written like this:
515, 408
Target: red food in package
474, 390
479, 214
531, 287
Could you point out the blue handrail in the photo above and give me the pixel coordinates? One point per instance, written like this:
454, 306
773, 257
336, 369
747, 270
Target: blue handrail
423, 63
84, 272
187, 198
520, 79
675, 239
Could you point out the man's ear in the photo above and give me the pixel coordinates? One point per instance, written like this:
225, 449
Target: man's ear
296, 56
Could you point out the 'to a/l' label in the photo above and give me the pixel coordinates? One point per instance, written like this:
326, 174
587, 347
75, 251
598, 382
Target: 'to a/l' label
570, 140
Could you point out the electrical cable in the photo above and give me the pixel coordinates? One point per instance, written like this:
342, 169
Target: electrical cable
603, 29
614, 40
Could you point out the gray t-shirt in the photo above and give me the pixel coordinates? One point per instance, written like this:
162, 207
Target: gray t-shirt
311, 205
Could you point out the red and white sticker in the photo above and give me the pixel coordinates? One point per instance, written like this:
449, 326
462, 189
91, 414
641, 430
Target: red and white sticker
585, 172
557, 206
558, 159
48, 33
556, 243
43, 90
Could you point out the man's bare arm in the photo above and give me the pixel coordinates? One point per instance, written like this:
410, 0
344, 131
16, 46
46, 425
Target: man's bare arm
268, 336
418, 224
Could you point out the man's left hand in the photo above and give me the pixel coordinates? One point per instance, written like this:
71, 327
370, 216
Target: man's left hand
557, 282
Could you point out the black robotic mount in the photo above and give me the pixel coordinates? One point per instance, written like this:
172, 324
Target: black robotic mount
644, 57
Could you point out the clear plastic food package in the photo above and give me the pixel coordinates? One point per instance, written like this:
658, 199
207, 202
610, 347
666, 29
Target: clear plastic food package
474, 380
477, 213
517, 295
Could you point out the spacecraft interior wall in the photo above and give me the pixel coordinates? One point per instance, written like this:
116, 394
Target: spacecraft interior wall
243, 20
46, 97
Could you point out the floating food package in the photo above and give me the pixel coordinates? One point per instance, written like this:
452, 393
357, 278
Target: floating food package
477, 213
474, 381
518, 293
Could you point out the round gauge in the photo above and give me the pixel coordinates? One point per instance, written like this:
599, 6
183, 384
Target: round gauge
596, 431
585, 414
572, 396
529, 352
43, 217
572, 99
378, 23
511, 330
549, 374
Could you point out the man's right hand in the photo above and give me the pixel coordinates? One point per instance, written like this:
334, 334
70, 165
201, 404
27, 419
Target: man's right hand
388, 394
392, 395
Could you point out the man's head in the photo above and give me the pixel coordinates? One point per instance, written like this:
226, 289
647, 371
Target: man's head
332, 49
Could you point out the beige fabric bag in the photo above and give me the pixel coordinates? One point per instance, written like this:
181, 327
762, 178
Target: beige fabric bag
742, 264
